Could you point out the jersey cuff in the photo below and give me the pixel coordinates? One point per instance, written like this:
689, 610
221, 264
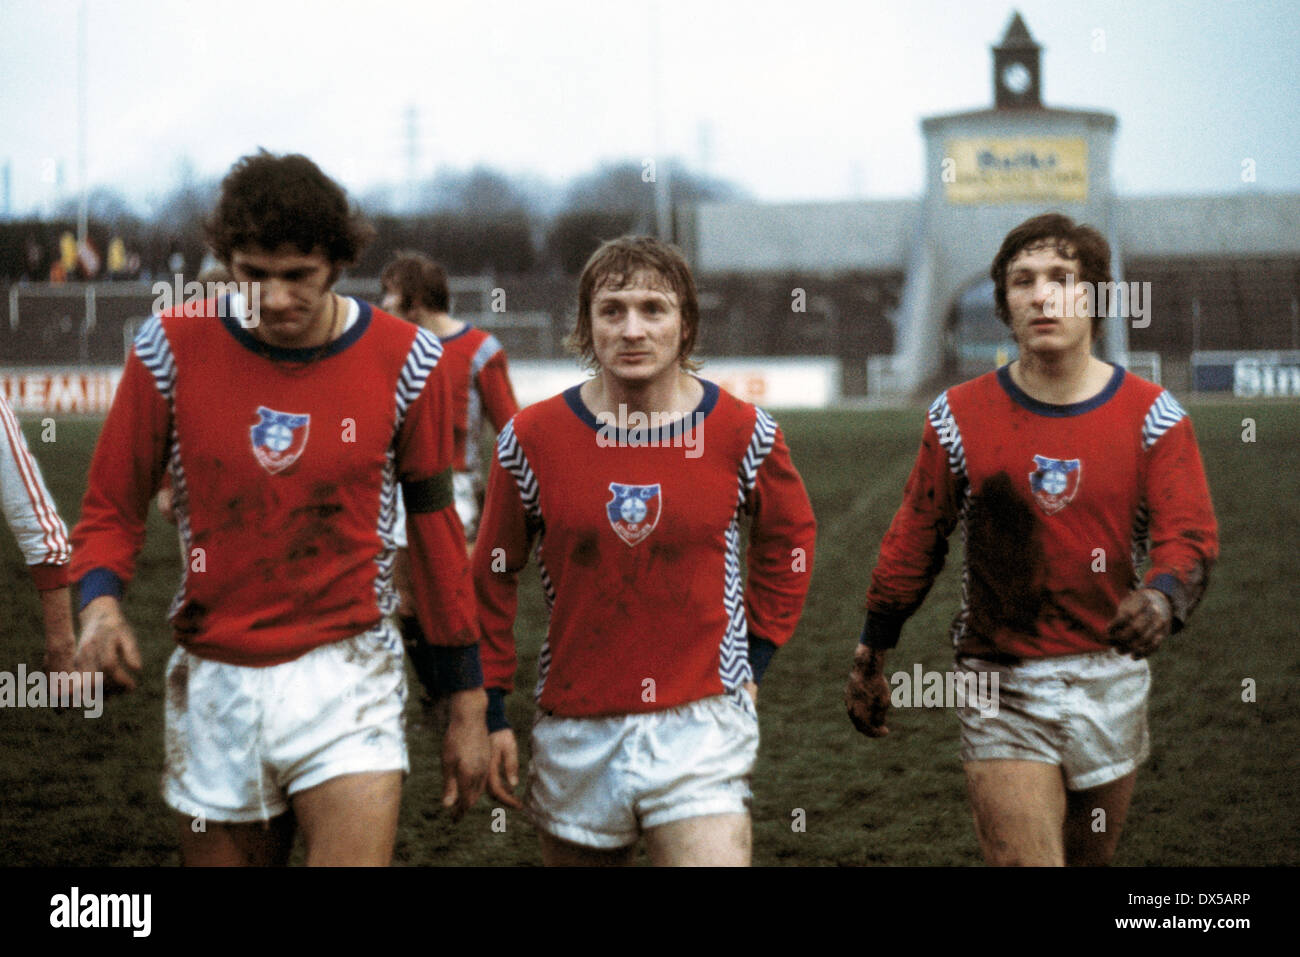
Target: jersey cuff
442, 671
496, 711
49, 577
760, 655
97, 583
429, 495
881, 632
1171, 588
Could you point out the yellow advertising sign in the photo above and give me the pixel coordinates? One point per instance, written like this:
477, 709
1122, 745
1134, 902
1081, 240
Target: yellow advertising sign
1025, 169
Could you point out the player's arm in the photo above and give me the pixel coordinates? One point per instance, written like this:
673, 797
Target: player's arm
42, 537
500, 553
1184, 545
782, 540
125, 471
911, 557
497, 393
441, 589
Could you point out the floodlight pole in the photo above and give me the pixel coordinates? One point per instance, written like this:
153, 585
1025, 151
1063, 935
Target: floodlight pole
83, 216
663, 192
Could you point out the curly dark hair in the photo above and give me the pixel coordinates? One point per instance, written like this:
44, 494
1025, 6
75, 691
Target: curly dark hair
417, 279
269, 201
1071, 241
615, 265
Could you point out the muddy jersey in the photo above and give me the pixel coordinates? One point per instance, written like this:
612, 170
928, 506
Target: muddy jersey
1062, 507
285, 465
637, 537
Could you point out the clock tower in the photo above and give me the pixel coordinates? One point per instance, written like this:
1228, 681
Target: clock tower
1017, 69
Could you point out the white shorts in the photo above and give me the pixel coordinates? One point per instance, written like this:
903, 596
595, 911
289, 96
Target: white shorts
599, 782
1086, 713
240, 740
464, 488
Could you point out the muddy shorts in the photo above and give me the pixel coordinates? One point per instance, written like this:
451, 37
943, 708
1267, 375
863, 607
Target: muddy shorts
599, 782
1085, 713
241, 740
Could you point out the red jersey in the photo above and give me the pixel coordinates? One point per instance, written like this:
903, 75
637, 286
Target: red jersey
29, 509
1060, 506
639, 551
285, 465
480, 382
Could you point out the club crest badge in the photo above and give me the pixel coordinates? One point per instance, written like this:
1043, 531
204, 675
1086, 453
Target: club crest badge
279, 438
1054, 482
633, 511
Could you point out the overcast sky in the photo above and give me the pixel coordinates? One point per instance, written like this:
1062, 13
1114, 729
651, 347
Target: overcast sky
806, 100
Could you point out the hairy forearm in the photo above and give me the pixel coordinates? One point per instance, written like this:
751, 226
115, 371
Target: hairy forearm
56, 608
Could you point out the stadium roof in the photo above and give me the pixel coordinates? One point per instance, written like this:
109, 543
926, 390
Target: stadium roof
876, 235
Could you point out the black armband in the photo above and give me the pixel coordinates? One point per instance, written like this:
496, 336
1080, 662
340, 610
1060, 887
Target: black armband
428, 495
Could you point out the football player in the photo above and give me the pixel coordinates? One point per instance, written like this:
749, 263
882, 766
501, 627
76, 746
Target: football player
1062, 470
631, 488
286, 432
415, 288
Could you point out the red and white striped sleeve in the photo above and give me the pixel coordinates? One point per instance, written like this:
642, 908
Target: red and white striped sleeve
29, 509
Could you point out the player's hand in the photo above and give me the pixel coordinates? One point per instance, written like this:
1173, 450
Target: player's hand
503, 769
465, 751
59, 658
866, 696
752, 688
166, 499
1143, 620
107, 645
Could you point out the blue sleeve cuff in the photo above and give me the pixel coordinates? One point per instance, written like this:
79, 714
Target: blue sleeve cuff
760, 655
1171, 588
496, 710
881, 632
442, 671
459, 669
97, 583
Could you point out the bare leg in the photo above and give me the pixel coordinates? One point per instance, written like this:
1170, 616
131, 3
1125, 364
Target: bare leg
1019, 809
1091, 838
714, 840
351, 820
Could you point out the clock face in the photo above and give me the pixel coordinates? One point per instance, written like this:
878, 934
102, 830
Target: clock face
1016, 78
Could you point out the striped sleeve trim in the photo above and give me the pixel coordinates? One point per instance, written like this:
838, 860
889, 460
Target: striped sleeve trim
484, 353
945, 426
515, 462
41, 535
155, 352
760, 446
733, 655
1163, 415
420, 363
